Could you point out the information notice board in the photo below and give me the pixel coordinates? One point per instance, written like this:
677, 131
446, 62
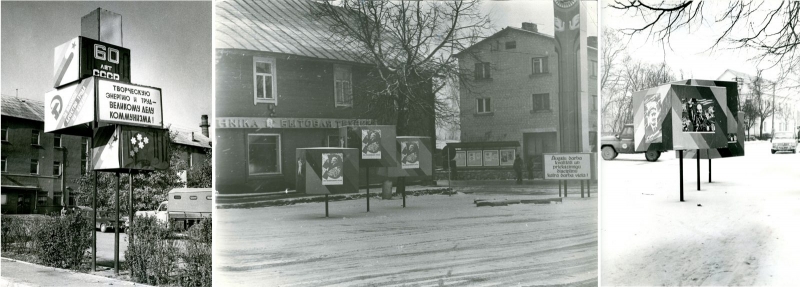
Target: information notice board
568, 166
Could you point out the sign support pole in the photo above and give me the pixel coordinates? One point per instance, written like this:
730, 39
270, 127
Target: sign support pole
116, 229
581, 188
559, 188
709, 166
367, 189
130, 204
588, 188
94, 223
698, 169
565, 188
680, 163
326, 205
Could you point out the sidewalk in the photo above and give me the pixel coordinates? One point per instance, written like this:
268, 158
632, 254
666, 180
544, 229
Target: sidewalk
292, 197
19, 273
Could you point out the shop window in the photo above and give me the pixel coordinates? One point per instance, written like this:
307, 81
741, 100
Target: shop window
4, 134
539, 65
483, 71
264, 76
56, 168
541, 102
511, 45
35, 135
34, 166
57, 140
342, 83
484, 105
4, 164
264, 152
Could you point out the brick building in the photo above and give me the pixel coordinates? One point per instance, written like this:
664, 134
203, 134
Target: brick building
37, 167
280, 85
513, 97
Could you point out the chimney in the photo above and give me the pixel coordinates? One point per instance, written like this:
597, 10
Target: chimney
204, 124
530, 27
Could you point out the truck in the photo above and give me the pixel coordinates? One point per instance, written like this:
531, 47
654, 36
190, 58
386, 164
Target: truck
184, 207
611, 146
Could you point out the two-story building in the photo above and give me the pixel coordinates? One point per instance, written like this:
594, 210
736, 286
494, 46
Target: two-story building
511, 101
280, 85
787, 112
37, 168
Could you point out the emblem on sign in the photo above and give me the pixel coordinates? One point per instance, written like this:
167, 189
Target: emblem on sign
138, 143
55, 105
624, 145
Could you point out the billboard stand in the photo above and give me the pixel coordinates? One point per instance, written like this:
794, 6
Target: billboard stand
680, 164
116, 229
698, 169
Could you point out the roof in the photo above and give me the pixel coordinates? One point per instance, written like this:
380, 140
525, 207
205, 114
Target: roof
506, 29
190, 138
281, 26
23, 108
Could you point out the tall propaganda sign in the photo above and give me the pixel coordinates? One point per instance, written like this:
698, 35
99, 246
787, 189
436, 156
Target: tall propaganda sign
129, 104
735, 132
567, 36
83, 57
122, 148
70, 106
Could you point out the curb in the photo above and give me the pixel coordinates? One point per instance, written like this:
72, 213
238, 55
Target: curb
321, 198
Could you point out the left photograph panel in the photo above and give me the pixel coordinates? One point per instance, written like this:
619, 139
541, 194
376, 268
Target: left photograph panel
106, 146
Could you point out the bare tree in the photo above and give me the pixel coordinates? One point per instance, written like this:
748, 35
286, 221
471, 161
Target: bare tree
770, 27
761, 106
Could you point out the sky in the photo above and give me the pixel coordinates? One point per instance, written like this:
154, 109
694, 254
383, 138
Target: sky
689, 50
170, 44
513, 13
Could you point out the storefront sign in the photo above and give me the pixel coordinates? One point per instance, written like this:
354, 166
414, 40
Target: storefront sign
128, 104
83, 57
567, 166
288, 123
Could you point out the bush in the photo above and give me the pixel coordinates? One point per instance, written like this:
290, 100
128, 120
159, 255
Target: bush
61, 241
196, 259
16, 232
151, 254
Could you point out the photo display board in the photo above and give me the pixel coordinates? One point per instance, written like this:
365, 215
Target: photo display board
416, 158
84, 57
568, 166
680, 117
327, 170
376, 144
735, 132
70, 109
122, 148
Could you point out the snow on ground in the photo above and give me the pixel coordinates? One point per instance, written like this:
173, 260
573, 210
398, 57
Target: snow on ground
745, 232
435, 240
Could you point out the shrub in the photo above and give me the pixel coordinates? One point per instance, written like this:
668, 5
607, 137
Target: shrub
196, 259
16, 234
151, 254
61, 241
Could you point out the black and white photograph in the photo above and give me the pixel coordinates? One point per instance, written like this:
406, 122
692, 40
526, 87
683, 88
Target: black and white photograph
332, 165
106, 143
694, 209
494, 85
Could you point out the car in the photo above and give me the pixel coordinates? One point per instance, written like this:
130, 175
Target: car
104, 223
784, 141
611, 146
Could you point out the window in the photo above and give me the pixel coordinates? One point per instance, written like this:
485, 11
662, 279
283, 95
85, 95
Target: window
541, 102
539, 65
85, 155
594, 102
35, 137
56, 168
56, 140
484, 105
4, 164
41, 200
4, 134
264, 151
71, 200
593, 69
482, 71
511, 45
494, 46
208, 197
56, 199
176, 197
193, 197
333, 141
191, 160
264, 88
343, 90
34, 166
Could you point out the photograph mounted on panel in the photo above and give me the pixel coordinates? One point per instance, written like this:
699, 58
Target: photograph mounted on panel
507, 157
654, 116
371, 144
409, 154
698, 115
332, 169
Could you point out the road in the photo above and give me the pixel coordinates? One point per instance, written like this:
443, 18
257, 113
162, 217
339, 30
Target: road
741, 229
436, 239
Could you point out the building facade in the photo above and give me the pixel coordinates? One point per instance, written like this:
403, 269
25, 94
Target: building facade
280, 86
513, 95
39, 170
787, 112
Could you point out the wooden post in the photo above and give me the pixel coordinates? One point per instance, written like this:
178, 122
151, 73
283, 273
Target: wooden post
680, 163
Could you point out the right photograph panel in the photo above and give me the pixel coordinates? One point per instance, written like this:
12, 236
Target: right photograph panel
700, 119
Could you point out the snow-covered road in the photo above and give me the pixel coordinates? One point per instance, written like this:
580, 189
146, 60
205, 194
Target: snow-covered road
436, 240
741, 229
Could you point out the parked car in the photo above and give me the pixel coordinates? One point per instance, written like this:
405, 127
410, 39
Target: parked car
784, 141
105, 222
611, 146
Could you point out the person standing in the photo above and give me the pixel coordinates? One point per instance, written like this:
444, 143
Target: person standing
518, 169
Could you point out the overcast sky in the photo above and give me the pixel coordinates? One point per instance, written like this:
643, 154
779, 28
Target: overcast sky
170, 44
513, 13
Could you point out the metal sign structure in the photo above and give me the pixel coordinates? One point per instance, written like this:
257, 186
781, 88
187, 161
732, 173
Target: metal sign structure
325, 170
376, 145
128, 104
83, 57
570, 166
